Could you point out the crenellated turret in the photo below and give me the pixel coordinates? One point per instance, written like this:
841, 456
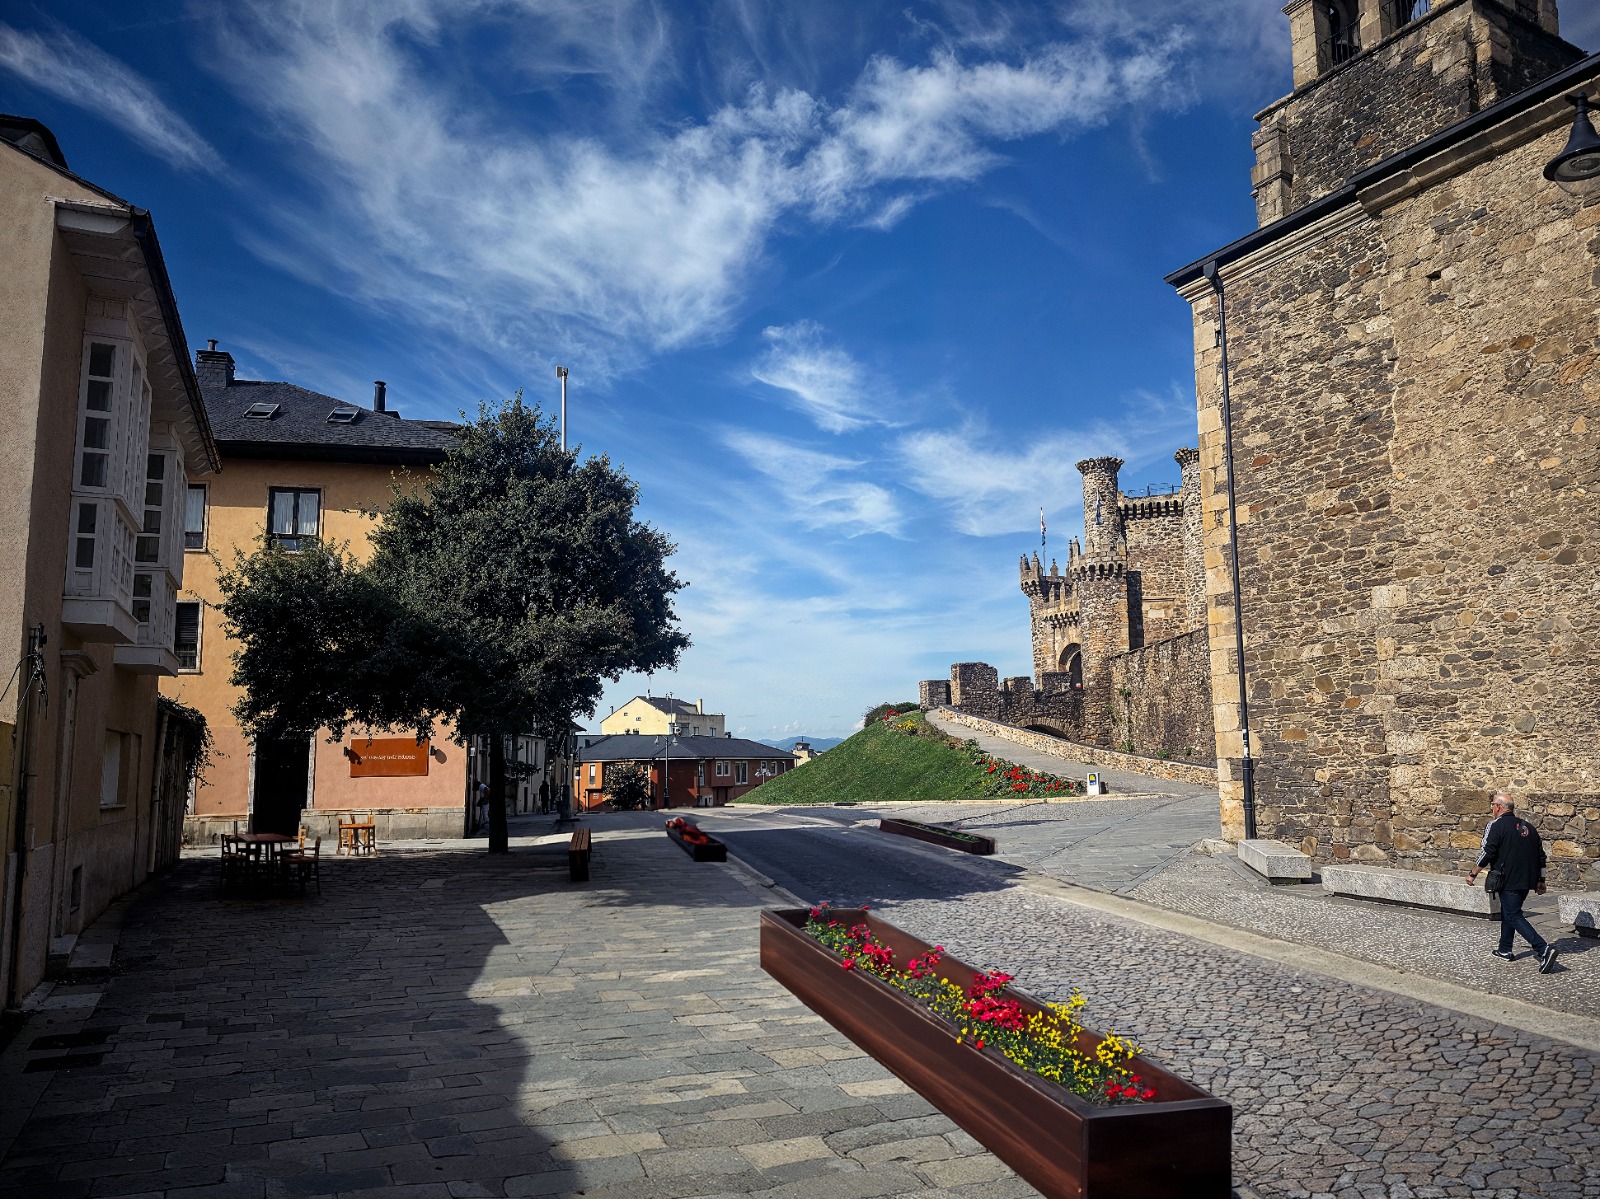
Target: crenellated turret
1104, 538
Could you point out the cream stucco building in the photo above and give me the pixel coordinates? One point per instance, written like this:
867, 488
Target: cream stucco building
653, 716
105, 429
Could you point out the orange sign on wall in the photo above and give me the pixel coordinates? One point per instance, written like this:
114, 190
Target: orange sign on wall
387, 757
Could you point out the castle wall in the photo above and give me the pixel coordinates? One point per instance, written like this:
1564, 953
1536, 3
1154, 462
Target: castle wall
1462, 57
1154, 532
1416, 403
1163, 696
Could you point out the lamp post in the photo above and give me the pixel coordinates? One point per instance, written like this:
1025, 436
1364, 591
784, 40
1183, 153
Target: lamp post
1247, 766
666, 765
1580, 161
561, 373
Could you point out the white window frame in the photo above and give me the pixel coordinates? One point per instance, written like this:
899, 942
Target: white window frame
205, 516
723, 769
741, 774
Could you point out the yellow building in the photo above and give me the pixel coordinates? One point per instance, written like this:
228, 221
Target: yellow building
653, 716
104, 429
298, 464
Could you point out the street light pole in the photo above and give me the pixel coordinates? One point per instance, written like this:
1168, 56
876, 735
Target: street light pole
666, 767
561, 373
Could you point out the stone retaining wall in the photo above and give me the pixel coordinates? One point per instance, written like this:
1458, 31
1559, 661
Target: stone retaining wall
1185, 772
394, 824
1162, 695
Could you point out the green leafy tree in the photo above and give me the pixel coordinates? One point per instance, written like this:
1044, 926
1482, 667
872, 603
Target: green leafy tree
498, 598
627, 786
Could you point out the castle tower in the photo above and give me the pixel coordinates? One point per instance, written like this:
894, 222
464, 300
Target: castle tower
1194, 549
1373, 77
1104, 539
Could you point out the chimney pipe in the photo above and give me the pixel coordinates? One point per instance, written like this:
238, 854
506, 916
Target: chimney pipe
211, 344
379, 387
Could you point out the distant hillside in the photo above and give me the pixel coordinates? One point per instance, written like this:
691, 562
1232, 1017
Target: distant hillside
817, 743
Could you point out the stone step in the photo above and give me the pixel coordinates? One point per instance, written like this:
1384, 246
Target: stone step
1582, 912
1414, 888
1275, 861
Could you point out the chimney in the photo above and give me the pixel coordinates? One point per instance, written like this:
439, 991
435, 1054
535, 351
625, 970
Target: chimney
380, 391
699, 706
213, 367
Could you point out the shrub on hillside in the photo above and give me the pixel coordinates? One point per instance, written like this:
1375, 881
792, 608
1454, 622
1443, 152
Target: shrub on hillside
880, 711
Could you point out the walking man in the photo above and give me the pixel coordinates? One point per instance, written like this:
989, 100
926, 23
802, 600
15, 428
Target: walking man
1512, 847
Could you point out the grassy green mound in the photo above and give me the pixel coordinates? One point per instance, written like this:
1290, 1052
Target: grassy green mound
887, 764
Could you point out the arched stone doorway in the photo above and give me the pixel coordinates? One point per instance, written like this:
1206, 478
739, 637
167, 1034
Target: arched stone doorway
1071, 663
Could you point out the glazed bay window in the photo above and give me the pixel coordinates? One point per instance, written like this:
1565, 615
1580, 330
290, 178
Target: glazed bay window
194, 517
293, 514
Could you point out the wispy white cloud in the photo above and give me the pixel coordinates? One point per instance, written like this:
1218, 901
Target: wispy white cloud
66, 66
818, 489
989, 486
821, 380
625, 242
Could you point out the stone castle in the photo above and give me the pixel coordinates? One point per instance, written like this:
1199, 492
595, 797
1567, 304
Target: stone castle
1119, 643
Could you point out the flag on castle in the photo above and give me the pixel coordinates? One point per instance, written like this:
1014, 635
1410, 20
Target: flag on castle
1041, 528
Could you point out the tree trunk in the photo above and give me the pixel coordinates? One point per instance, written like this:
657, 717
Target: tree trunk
499, 838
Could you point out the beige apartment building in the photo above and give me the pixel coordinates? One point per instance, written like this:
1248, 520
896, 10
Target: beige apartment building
297, 465
105, 429
654, 716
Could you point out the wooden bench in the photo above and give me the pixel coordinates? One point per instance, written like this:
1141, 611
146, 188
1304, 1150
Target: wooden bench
578, 856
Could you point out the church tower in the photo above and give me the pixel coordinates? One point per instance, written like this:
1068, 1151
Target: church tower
1375, 77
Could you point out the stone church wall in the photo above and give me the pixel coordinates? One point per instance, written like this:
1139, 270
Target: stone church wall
1416, 409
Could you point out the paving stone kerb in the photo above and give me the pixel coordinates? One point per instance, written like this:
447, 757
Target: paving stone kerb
464, 1025
1445, 892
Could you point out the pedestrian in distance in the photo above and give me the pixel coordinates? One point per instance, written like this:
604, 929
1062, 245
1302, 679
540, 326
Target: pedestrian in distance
1515, 859
544, 797
483, 804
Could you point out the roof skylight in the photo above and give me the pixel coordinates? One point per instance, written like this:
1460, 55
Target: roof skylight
261, 411
343, 416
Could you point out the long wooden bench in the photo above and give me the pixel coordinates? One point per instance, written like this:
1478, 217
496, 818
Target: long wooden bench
578, 856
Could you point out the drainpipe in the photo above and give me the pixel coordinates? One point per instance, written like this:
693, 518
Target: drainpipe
1247, 766
33, 666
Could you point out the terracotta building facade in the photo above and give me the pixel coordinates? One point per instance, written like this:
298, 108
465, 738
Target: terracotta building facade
1415, 403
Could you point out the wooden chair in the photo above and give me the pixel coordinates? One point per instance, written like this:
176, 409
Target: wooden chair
303, 864
235, 861
357, 836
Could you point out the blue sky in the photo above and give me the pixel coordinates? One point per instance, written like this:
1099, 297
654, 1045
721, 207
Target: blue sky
847, 287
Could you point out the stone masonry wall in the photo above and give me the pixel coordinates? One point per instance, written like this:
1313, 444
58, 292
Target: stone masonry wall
1154, 531
1094, 755
1462, 57
1416, 411
1163, 693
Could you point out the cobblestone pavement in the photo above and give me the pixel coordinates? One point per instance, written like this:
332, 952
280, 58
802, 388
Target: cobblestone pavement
1339, 1090
442, 1024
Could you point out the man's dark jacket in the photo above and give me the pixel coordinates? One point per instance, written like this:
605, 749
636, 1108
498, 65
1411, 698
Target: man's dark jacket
1512, 846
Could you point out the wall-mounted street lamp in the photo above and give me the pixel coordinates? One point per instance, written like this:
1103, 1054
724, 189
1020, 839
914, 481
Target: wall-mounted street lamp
1247, 766
1580, 161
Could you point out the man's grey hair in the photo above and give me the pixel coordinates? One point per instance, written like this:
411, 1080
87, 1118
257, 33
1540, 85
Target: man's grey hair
1505, 802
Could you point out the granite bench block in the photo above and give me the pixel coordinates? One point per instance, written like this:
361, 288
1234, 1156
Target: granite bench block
1416, 888
1275, 861
1582, 912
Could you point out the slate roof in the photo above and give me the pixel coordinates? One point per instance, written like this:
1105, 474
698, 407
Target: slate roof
300, 427
636, 747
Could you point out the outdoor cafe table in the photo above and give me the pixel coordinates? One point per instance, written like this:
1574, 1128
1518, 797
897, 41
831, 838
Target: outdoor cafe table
264, 849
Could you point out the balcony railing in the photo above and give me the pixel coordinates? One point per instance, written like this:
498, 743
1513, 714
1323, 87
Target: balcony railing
1340, 49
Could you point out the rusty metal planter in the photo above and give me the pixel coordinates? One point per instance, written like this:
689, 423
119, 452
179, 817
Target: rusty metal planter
936, 836
711, 851
1176, 1147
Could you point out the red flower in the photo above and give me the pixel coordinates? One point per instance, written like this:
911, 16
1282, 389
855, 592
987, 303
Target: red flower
980, 1042
848, 964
